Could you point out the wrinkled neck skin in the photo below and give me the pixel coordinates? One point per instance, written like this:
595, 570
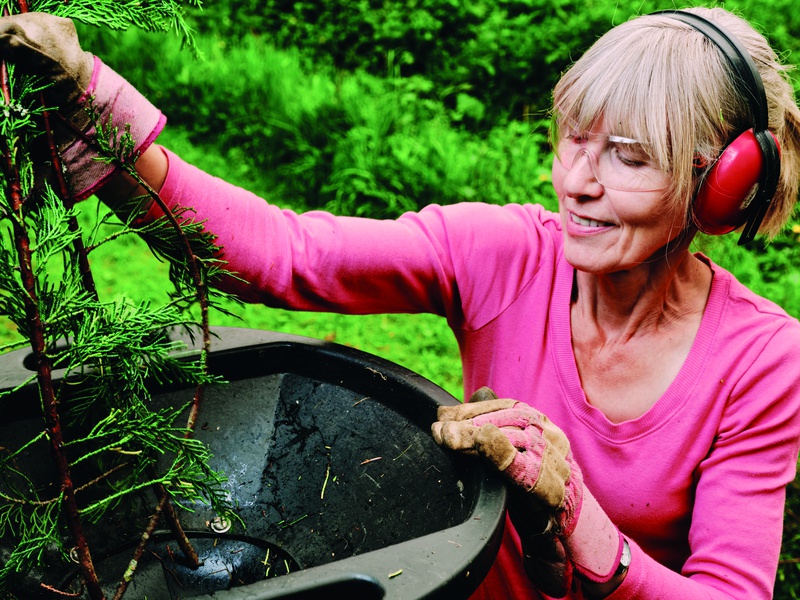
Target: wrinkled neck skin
665, 290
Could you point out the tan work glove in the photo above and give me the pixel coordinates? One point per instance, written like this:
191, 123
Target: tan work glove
544, 557
44, 45
47, 46
535, 456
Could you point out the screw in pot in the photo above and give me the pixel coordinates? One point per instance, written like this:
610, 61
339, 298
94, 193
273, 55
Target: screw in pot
219, 525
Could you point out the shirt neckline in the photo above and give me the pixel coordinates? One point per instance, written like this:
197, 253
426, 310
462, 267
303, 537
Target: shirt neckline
678, 392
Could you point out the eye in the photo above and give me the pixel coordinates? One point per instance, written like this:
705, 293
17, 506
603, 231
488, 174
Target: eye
631, 155
629, 161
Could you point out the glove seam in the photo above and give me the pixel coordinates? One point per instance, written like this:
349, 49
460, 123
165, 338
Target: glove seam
89, 91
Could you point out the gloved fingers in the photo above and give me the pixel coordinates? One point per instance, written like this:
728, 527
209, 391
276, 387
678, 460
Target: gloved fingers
487, 441
527, 441
527, 428
544, 474
494, 443
463, 412
455, 435
520, 416
46, 45
555, 436
483, 394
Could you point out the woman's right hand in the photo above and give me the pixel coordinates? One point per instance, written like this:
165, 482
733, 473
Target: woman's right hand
47, 46
549, 497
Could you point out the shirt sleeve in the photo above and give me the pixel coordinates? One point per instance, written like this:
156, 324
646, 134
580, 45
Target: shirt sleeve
315, 260
421, 262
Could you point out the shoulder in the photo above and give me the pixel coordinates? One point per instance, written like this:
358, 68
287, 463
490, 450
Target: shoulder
748, 313
760, 344
495, 252
494, 228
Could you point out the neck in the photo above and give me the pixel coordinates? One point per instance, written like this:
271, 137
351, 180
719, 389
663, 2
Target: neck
649, 297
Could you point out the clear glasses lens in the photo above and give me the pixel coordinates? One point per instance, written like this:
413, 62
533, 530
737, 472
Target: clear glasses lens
616, 162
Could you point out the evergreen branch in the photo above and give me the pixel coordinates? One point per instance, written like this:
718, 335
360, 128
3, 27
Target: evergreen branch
7, 347
96, 510
54, 228
127, 577
27, 501
187, 479
18, 116
103, 476
111, 351
153, 430
37, 530
66, 199
109, 238
110, 144
123, 14
56, 592
13, 454
23, 384
26, 486
43, 365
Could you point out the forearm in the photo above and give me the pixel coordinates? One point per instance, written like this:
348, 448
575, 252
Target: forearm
310, 261
151, 166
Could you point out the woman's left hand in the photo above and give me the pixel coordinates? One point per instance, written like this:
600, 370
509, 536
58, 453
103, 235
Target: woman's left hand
522, 443
534, 454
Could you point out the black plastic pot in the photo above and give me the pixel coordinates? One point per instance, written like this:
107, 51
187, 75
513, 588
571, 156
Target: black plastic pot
336, 477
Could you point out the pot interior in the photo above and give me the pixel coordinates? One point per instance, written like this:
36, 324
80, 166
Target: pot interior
328, 455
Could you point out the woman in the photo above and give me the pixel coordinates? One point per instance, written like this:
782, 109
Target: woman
671, 392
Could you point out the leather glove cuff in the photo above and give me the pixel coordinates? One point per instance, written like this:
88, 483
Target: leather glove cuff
118, 104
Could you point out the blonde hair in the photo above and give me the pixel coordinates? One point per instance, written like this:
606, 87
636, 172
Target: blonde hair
658, 79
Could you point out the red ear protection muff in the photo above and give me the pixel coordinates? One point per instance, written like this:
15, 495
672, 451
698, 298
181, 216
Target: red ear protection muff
739, 186
730, 186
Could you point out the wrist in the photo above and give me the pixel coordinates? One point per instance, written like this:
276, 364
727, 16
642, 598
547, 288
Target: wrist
120, 108
597, 591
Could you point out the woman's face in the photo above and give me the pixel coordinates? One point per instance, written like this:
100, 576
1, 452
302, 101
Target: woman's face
608, 229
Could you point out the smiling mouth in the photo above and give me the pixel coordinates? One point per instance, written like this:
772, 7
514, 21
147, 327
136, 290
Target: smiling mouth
587, 222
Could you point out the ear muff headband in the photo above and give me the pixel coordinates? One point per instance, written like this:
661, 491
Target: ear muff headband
723, 201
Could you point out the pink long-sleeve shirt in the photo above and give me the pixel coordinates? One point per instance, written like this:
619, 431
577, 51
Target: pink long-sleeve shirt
697, 483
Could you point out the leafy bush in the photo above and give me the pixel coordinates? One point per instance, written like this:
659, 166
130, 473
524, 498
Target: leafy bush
505, 55
345, 142
501, 53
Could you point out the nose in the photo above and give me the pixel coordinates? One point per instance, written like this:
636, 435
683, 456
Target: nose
581, 179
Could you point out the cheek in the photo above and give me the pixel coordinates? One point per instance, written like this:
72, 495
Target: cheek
558, 173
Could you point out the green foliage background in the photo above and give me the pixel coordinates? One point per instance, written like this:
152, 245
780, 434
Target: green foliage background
372, 108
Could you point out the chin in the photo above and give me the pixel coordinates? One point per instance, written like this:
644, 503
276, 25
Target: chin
588, 261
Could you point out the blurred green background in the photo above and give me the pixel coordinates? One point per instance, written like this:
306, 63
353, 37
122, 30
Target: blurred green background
374, 108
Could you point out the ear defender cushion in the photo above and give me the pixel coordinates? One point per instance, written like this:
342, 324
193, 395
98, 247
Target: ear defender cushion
729, 186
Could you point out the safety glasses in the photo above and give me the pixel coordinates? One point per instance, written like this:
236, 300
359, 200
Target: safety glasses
616, 162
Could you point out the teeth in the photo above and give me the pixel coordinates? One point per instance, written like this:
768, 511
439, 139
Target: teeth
586, 222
